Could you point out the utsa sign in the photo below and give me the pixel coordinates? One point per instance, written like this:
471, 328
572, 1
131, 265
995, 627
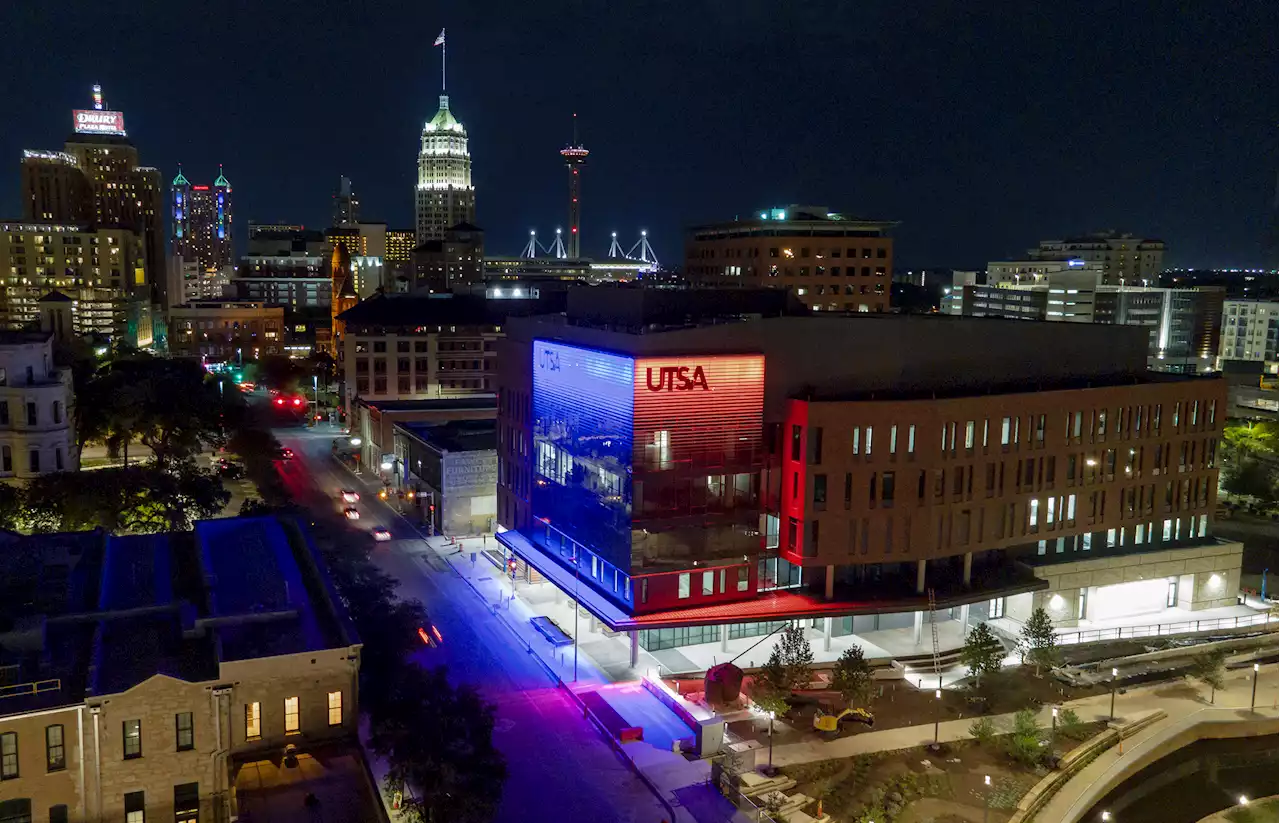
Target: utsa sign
676, 378
549, 359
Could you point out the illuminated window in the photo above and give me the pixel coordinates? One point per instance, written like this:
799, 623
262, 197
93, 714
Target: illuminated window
55, 750
708, 583
8, 755
335, 708
683, 586
291, 715
252, 721
135, 807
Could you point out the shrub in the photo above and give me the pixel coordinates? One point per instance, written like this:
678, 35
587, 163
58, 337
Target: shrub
1024, 743
983, 730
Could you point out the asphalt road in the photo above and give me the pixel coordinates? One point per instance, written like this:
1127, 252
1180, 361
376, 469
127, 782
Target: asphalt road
558, 767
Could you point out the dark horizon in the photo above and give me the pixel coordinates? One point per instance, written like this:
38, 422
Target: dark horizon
981, 135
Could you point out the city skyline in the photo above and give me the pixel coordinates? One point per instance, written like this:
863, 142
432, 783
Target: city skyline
904, 120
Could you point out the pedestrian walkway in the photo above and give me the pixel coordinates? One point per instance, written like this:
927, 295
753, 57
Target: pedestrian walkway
1177, 700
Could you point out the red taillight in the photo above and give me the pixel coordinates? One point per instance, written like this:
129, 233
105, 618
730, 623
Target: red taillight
436, 632
297, 401
279, 401
423, 634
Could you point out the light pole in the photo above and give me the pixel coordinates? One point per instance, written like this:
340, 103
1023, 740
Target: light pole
1253, 698
937, 714
986, 798
1114, 672
1106, 815
315, 386
577, 606
771, 716
1054, 711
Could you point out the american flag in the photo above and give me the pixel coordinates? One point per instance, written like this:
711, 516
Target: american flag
440, 39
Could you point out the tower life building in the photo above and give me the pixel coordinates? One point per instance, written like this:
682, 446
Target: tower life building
575, 157
445, 196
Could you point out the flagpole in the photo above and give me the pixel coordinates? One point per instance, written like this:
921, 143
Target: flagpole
443, 48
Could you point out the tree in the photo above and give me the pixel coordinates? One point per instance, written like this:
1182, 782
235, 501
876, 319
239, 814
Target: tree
1247, 475
1039, 642
1209, 668
132, 500
1024, 743
982, 652
771, 687
438, 744
797, 656
852, 676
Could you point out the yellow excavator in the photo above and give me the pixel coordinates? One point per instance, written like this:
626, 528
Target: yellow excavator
824, 722
1267, 385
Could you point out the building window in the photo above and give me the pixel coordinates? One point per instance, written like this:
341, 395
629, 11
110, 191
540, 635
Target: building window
856, 438
4, 412
743, 579
186, 803
335, 708
893, 439
252, 721
911, 439
1004, 432
34, 459
8, 755
57, 814
708, 583
135, 807
31, 414
1171, 599
868, 443
997, 608
797, 440
1033, 513
820, 491
184, 724
57, 411
683, 591
55, 751
132, 736
291, 715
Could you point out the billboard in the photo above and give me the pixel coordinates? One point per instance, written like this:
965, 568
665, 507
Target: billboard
92, 121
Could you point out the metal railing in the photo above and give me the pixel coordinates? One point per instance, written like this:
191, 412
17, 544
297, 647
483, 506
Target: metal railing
34, 687
1162, 629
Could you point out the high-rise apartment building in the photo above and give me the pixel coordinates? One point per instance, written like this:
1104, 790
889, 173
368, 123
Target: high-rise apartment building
1183, 324
1126, 260
122, 193
202, 222
346, 206
685, 468
102, 270
54, 187
444, 195
400, 244
831, 261
1249, 332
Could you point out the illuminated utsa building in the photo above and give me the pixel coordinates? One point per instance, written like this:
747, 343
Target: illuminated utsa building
698, 469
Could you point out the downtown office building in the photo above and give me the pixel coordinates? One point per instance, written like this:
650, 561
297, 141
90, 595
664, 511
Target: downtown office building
702, 467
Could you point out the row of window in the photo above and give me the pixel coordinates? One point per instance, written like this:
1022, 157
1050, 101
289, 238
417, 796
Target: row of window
131, 735
421, 364
1172, 528
423, 346
788, 252
1013, 432
34, 464
420, 384
708, 582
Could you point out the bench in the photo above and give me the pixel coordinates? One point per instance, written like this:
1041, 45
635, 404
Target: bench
548, 629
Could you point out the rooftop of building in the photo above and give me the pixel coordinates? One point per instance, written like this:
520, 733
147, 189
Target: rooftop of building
455, 436
462, 403
795, 219
87, 613
10, 337
411, 311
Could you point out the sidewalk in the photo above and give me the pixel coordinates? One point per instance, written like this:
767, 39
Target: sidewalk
1178, 700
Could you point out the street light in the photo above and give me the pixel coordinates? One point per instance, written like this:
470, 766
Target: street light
356, 441
1244, 801
1106, 815
1114, 672
1055, 719
1253, 699
937, 715
771, 716
986, 798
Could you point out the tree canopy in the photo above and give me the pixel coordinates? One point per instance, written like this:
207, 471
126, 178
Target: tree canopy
852, 676
982, 652
1039, 641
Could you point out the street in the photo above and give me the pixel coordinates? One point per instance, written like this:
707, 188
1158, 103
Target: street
553, 753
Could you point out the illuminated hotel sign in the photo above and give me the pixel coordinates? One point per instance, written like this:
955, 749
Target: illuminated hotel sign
92, 121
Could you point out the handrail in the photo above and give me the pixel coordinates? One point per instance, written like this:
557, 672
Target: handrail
34, 687
1161, 629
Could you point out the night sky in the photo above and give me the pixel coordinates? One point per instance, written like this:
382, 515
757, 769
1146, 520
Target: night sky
983, 128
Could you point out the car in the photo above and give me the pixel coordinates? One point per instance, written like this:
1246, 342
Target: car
380, 535
286, 454
430, 635
351, 513
350, 495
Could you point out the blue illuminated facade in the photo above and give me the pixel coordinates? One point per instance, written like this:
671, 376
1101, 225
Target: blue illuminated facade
582, 447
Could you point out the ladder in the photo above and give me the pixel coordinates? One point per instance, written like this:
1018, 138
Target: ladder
933, 626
